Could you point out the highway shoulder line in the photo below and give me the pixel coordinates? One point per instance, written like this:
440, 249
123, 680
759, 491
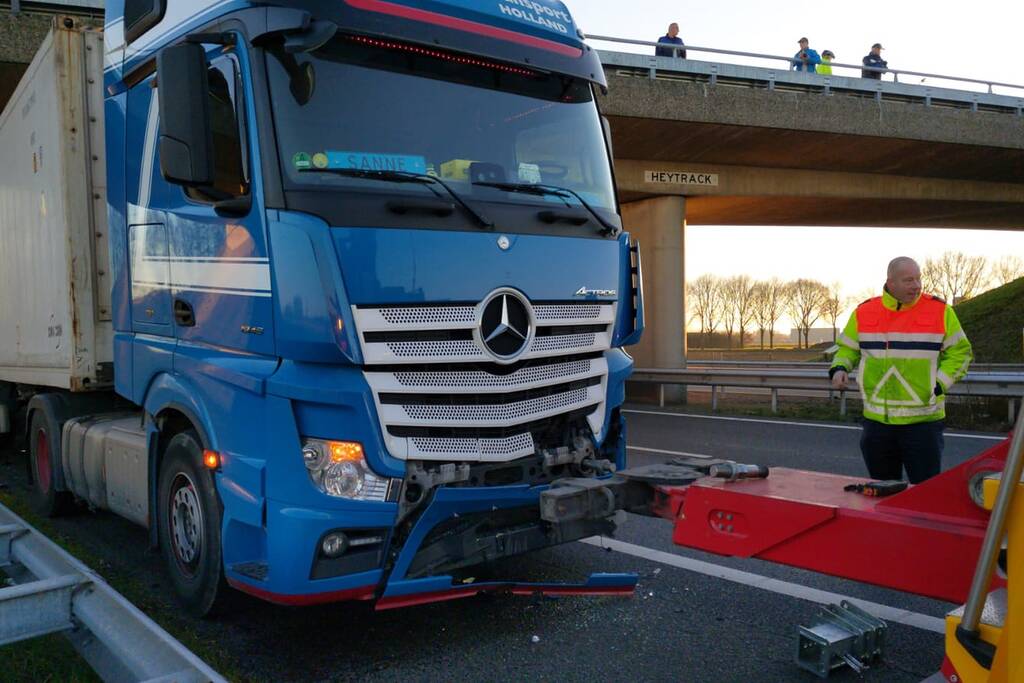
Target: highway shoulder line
890, 614
820, 425
702, 456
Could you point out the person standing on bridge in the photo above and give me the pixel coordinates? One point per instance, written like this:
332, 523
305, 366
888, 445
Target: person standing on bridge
806, 59
874, 60
670, 38
825, 68
910, 350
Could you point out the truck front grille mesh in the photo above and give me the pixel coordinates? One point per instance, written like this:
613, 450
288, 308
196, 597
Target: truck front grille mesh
427, 315
511, 447
448, 383
452, 349
567, 312
496, 413
528, 376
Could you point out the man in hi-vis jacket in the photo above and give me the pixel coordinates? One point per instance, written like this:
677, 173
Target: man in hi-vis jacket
908, 349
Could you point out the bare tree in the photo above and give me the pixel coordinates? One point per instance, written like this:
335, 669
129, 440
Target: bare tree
803, 304
704, 297
727, 314
768, 303
864, 295
955, 276
758, 298
739, 295
1006, 270
832, 307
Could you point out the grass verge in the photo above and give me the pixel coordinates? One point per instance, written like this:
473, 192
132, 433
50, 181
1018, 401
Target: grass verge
993, 322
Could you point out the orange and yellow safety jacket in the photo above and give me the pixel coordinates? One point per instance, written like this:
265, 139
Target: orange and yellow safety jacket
907, 356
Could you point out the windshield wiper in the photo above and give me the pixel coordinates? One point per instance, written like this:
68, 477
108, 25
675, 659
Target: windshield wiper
406, 177
607, 228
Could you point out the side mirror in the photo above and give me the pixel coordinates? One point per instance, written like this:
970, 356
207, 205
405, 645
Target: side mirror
606, 126
186, 141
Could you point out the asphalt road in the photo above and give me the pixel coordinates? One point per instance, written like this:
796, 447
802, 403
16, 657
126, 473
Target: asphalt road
684, 623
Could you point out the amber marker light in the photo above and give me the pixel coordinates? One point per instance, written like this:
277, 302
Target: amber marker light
211, 459
345, 451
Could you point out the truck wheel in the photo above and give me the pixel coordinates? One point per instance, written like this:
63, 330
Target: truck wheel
189, 517
44, 461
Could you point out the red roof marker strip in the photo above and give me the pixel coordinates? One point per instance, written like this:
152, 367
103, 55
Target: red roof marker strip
463, 25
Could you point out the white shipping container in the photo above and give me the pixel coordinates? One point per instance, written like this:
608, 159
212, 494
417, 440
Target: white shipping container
55, 302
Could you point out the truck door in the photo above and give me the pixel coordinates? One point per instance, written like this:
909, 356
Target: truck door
219, 264
148, 244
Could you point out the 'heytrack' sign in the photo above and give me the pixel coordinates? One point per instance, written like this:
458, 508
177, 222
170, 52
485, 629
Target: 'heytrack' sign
681, 178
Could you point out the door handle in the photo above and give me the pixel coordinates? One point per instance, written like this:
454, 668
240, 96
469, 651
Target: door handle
183, 314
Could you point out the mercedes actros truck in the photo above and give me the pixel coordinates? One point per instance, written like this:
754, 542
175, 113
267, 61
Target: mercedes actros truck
322, 293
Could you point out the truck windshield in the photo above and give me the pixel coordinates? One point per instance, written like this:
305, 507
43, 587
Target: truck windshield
480, 126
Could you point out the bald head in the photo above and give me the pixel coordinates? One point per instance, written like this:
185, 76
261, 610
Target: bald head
903, 279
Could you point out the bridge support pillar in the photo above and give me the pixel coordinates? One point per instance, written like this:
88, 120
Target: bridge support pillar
659, 225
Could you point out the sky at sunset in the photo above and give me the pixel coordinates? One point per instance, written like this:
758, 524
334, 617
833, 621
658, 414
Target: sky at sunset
972, 40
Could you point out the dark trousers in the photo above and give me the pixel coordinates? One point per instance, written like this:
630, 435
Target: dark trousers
889, 449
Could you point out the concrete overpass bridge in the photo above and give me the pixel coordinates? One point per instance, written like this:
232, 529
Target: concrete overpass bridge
23, 25
708, 143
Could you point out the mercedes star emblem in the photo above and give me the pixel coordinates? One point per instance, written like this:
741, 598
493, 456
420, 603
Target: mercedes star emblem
504, 243
506, 325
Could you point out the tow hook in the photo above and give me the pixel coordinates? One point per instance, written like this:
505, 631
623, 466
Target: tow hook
571, 500
634, 489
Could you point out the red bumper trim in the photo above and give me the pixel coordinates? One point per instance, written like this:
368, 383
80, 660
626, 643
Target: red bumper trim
427, 17
398, 601
360, 593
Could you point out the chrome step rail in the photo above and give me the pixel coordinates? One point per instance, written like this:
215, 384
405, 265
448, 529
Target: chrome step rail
49, 591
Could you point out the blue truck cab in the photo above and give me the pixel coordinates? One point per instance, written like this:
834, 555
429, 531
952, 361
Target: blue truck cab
370, 288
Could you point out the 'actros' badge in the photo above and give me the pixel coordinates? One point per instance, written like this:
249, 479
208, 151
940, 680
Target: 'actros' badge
583, 291
506, 325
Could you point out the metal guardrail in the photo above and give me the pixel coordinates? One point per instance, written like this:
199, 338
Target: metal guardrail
771, 77
1008, 385
798, 365
896, 73
53, 592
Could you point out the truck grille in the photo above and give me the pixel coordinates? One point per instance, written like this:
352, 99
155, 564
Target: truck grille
441, 396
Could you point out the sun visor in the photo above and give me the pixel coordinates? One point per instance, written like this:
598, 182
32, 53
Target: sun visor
540, 34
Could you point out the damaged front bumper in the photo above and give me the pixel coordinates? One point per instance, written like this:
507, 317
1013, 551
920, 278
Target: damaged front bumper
463, 527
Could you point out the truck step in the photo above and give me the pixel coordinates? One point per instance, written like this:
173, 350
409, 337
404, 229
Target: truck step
994, 613
252, 570
34, 609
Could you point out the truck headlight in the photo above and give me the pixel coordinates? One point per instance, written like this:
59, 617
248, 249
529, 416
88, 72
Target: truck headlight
339, 469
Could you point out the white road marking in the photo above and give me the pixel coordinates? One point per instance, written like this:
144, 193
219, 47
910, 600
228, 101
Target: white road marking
820, 425
659, 450
891, 614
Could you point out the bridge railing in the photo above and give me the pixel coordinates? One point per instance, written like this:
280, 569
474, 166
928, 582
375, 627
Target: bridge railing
1009, 385
964, 90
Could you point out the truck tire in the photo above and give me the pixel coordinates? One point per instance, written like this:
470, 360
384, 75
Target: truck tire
44, 462
189, 518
